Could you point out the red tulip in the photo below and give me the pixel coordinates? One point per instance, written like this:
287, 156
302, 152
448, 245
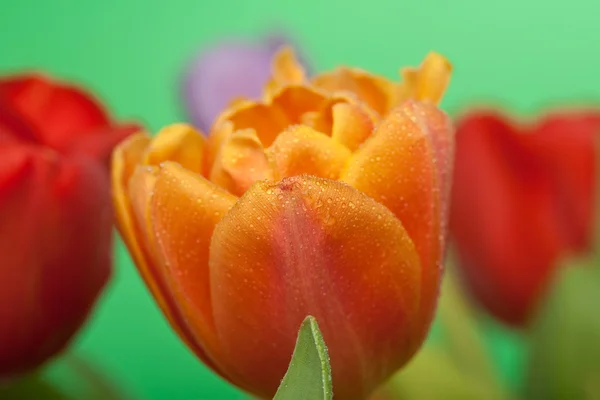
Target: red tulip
55, 213
522, 200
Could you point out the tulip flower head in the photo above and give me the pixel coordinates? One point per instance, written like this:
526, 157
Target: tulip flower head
327, 197
522, 201
55, 213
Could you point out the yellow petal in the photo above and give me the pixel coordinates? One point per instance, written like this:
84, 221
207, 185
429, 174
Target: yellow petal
267, 120
351, 125
430, 80
286, 70
218, 135
354, 120
183, 212
240, 162
378, 92
295, 101
312, 246
180, 143
302, 150
239, 101
286, 67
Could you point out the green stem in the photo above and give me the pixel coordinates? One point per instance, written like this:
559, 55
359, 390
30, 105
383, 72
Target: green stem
464, 340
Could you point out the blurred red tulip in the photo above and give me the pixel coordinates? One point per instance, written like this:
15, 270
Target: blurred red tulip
55, 213
522, 199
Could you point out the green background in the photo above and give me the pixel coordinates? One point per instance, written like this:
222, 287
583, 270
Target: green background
525, 55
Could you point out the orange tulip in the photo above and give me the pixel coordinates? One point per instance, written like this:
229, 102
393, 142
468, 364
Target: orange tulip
313, 201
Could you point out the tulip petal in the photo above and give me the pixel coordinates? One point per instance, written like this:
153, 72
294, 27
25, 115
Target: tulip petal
286, 67
125, 158
184, 210
302, 150
429, 81
518, 203
12, 126
344, 117
178, 142
397, 168
267, 120
376, 91
298, 100
312, 246
286, 70
58, 112
218, 134
567, 144
351, 125
60, 207
227, 70
99, 143
241, 162
140, 189
135, 233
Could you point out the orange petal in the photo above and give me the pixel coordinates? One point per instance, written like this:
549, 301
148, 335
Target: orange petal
298, 100
302, 150
286, 67
430, 80
267, 120
351, 125
441, 133
241, 162
221, 130
238, 102
183, 212
140, 189
347, 133
286, 71
177, 142
376, 91
397, 167
125, 159
308, 245
218, 134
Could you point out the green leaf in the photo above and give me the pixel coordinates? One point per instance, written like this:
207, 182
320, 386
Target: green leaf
565, 337
33, 386
91, 382
436, 374
78, 378
464, 340
309, 373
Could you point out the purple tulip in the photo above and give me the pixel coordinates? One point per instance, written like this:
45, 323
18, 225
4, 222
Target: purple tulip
226, 70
